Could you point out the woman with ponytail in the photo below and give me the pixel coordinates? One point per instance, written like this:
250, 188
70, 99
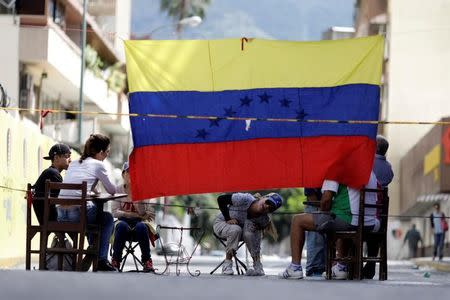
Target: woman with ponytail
90, 168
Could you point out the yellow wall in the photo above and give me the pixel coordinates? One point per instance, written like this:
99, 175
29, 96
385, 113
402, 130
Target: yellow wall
24, 166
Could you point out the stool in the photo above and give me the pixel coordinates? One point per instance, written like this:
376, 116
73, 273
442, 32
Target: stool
236, 259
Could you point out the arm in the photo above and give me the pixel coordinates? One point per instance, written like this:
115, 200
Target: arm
326, 200
329, 189
431, 220
224, 201
102, 175
119, 212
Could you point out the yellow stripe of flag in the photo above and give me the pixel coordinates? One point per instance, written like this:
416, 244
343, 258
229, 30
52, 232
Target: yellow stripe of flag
217, 65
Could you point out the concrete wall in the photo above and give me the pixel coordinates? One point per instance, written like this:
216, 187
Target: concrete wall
9, 57
419, 75
21, 150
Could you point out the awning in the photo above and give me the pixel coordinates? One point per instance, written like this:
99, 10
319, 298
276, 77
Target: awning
433, 197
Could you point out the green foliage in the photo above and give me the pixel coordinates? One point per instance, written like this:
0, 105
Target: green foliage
115, 77
93, 61
204, 214
180, 9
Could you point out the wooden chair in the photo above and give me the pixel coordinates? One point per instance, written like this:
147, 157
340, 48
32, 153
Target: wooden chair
236, 259
32, 230
356, 259
76, 231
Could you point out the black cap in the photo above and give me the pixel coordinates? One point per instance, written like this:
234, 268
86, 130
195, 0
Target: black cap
58, 149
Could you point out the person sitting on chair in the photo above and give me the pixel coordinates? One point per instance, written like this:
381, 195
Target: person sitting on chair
132, 219
246, 216
339, 209
90, 168
59, 155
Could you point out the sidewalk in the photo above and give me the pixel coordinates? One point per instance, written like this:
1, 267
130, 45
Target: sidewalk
443, 266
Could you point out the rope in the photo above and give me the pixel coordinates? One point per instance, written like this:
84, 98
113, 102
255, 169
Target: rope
77, 112
193, 208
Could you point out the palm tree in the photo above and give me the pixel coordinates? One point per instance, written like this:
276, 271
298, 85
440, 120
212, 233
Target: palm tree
180, 9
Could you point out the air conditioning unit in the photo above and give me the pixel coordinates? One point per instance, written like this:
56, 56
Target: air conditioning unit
27, 98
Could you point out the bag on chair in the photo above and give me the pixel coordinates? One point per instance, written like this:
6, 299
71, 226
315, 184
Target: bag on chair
52, 258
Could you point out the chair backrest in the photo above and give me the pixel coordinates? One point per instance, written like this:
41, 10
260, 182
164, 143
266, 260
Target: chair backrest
50, 226
381, 207
50, 200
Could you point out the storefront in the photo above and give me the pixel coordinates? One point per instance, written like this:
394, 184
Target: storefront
425, 180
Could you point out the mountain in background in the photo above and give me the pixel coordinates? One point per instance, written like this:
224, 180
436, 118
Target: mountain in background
273, 19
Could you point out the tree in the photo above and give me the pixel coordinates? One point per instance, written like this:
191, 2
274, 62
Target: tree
180, 9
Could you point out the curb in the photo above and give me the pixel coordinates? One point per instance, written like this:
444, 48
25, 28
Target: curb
440, 266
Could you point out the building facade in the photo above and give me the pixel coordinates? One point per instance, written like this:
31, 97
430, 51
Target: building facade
41, 70
415, 88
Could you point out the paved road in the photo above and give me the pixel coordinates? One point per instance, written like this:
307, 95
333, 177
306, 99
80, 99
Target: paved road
405, 282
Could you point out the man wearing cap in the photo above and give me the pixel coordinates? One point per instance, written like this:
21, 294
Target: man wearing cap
59, 155
245, 216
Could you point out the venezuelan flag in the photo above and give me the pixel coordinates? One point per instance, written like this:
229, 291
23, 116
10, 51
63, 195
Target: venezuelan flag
261, 81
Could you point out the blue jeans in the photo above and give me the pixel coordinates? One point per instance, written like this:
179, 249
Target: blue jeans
439, 245
136, 231
315, 248
73, 215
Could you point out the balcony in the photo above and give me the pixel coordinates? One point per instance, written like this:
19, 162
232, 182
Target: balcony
49, 49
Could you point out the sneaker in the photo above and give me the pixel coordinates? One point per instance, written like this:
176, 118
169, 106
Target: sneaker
227, 268
148, 266
115, 263
290, 273
257, 270
339, 272
105, 266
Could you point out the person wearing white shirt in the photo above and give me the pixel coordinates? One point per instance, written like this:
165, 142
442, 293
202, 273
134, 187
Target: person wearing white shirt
90, 168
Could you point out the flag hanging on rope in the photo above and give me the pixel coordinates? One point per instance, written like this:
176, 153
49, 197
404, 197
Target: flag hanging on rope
250, 86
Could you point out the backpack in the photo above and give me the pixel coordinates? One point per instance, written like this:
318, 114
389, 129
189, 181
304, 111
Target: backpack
52, 258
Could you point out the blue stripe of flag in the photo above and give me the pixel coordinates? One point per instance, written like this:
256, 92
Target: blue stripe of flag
348, 102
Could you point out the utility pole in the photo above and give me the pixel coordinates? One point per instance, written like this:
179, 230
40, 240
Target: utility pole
83, 46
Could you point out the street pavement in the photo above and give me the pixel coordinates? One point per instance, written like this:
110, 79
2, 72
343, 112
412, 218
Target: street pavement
406, 281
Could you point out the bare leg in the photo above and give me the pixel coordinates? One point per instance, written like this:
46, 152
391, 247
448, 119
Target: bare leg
300, 224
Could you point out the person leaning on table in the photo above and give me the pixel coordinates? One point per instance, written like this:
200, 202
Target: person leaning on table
90, 168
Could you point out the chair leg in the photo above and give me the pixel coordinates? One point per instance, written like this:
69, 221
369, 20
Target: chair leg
80, 252
239, 272
28, 253
218, 266
383, 270
238, 261
43, 250
330, 256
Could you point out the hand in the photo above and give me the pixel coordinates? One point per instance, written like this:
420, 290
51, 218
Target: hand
149, 215
233, 222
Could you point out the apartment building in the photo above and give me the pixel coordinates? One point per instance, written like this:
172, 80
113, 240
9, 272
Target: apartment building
415, 88
40, 63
